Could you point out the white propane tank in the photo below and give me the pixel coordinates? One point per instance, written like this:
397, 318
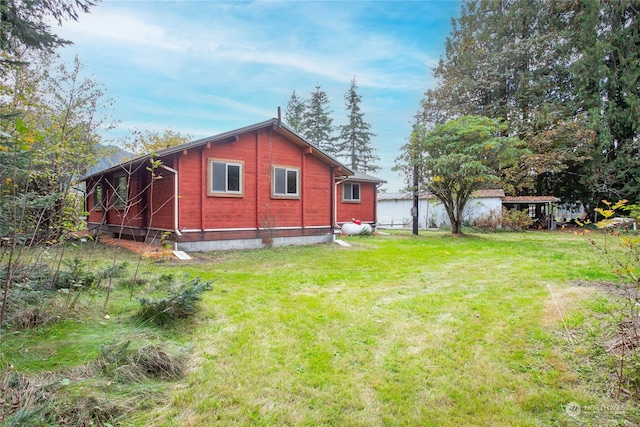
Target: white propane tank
353, 229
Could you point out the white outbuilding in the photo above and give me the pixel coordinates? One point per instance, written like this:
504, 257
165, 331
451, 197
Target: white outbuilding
394, 209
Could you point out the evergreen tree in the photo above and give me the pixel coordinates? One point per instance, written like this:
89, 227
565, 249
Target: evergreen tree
294, 114
510, 60
355, 137
606, 76
23, 23
318, 125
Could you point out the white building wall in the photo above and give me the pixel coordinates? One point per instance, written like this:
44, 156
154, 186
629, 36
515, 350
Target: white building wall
396, 213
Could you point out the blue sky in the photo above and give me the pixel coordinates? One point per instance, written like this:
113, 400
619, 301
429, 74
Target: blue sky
206, 67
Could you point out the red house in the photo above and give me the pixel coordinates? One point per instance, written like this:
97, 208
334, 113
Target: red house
257, 186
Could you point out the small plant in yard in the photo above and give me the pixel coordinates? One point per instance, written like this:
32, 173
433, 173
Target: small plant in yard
622, 252
76, 275
178, 304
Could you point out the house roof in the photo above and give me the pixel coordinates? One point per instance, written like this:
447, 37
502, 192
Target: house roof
530, 199
479, 194
363, 177
230, 136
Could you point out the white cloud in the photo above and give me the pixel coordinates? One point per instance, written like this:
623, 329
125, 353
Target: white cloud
122, 28
205, 67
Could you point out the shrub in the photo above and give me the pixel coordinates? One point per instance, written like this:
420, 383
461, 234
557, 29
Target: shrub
114, 270
516, 220
511, 219
180, 303
75, 276
491, 221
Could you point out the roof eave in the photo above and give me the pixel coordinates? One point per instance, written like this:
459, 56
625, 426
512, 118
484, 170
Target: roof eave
274, 124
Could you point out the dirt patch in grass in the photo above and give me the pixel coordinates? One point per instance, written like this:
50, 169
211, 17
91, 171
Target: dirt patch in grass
615, 289
147, 250
561, 300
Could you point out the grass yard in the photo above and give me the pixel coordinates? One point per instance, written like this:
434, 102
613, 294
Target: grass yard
490, 329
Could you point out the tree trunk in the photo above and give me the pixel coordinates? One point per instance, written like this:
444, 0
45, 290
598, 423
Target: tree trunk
455, 220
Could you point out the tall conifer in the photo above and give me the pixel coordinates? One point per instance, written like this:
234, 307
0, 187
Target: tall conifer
355, 136
294, 114
318, 124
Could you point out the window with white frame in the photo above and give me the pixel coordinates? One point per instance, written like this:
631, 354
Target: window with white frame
285, 182
121, 191
350, 192
225, 178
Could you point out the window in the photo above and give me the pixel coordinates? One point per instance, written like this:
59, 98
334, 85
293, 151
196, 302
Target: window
98, 197
285, 182
121, 191
350, 192
225, 178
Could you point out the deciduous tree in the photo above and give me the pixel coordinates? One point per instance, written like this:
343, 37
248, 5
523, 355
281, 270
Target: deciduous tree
152, 141
458, 157
511, 60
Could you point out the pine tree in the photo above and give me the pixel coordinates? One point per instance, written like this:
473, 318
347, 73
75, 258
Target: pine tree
355, 137
318, 125
294, 114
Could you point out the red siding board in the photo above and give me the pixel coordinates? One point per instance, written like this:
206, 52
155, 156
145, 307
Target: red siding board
256, 209
364, 210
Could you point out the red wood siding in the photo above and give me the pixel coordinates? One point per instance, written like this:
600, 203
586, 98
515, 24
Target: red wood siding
254, 212
365, 210
161, 199
95, 213
189, 189
317, 193
218, 211
256, 208
130, 215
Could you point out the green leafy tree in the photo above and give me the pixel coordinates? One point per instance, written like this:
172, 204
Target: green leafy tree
355, 136
318, 125
458, 157
152, 141
35, 202
57, 133
511, 60
294, 114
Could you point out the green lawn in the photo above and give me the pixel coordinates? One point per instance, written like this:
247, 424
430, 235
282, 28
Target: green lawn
395, 330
